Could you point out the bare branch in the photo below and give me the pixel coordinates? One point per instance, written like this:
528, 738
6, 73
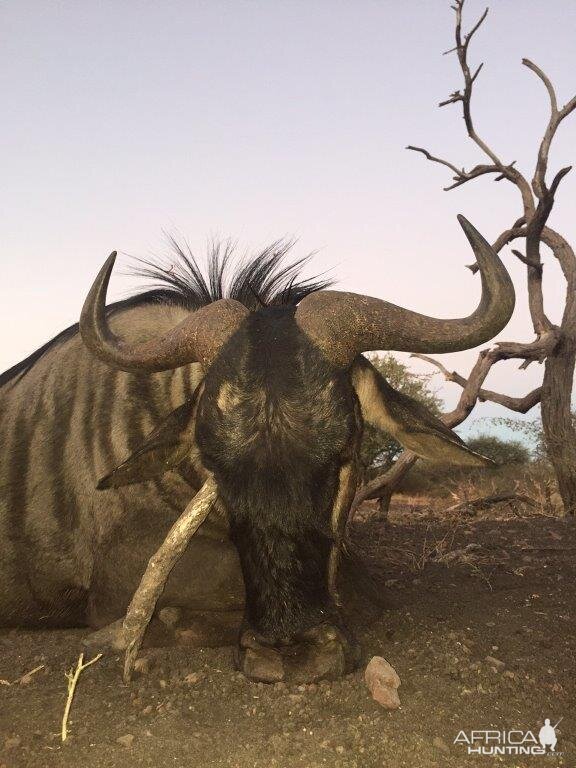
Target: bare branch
433, 159
478, 170
537, 350
524, 260
475, 27
497, 498
388, 480
158, 569
453, 98
518, 404
558, 178
462, 51
475, 75
547, 82
502, 170
566, 257
556, 117
508, 236
461, 175
534, 228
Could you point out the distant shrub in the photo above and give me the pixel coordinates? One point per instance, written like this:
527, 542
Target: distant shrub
499, 450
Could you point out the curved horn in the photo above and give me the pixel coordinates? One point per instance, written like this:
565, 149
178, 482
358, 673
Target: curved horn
198, 338
345, 324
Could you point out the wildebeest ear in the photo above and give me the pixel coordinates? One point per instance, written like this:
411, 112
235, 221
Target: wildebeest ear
163, 449
408, 421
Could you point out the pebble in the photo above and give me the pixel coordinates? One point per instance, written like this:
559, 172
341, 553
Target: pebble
193, 678
496, 664
382, 681
12, 742
126, 740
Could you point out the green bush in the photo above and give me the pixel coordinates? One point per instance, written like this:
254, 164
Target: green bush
499, 450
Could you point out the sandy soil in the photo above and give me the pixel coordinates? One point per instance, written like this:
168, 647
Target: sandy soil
510, 597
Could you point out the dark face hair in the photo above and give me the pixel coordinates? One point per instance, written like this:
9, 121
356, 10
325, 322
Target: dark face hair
274, 425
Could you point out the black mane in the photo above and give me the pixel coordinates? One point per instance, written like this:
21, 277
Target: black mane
178, 280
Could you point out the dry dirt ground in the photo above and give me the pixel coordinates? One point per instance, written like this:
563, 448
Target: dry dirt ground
446, 608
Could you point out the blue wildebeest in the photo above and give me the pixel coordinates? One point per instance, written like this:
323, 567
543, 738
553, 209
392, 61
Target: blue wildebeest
106, 434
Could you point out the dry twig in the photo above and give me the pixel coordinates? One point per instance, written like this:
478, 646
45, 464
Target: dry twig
25, 678
159, 566
72, 677
495, 498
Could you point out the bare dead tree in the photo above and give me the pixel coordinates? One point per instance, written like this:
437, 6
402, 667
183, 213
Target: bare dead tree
553, 345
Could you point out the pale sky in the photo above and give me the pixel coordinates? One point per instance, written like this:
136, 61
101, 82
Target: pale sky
258, 120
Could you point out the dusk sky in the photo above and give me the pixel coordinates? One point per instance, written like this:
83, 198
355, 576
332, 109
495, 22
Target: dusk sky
259, 120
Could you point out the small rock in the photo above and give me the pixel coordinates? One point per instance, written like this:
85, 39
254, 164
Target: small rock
382, 681
495, 663
441, 745
170, 617
386, 697
126, 740
296, 697
193, 678
12, 742
379, 669
147, 710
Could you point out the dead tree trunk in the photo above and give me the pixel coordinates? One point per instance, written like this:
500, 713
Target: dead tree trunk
558, 423
555, 346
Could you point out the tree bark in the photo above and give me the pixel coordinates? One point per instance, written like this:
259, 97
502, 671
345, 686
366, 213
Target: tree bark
558, 422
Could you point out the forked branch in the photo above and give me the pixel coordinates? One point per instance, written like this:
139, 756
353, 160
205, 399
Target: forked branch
556, 117
518, 404
497, 166
159, 567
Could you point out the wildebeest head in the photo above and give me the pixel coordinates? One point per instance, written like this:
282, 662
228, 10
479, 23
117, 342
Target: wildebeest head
278, 406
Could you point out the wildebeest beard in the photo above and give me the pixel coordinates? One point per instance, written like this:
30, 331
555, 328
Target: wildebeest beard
275, 423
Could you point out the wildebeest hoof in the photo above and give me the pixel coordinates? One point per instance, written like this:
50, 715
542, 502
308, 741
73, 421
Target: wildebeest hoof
264, 665
321, 653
